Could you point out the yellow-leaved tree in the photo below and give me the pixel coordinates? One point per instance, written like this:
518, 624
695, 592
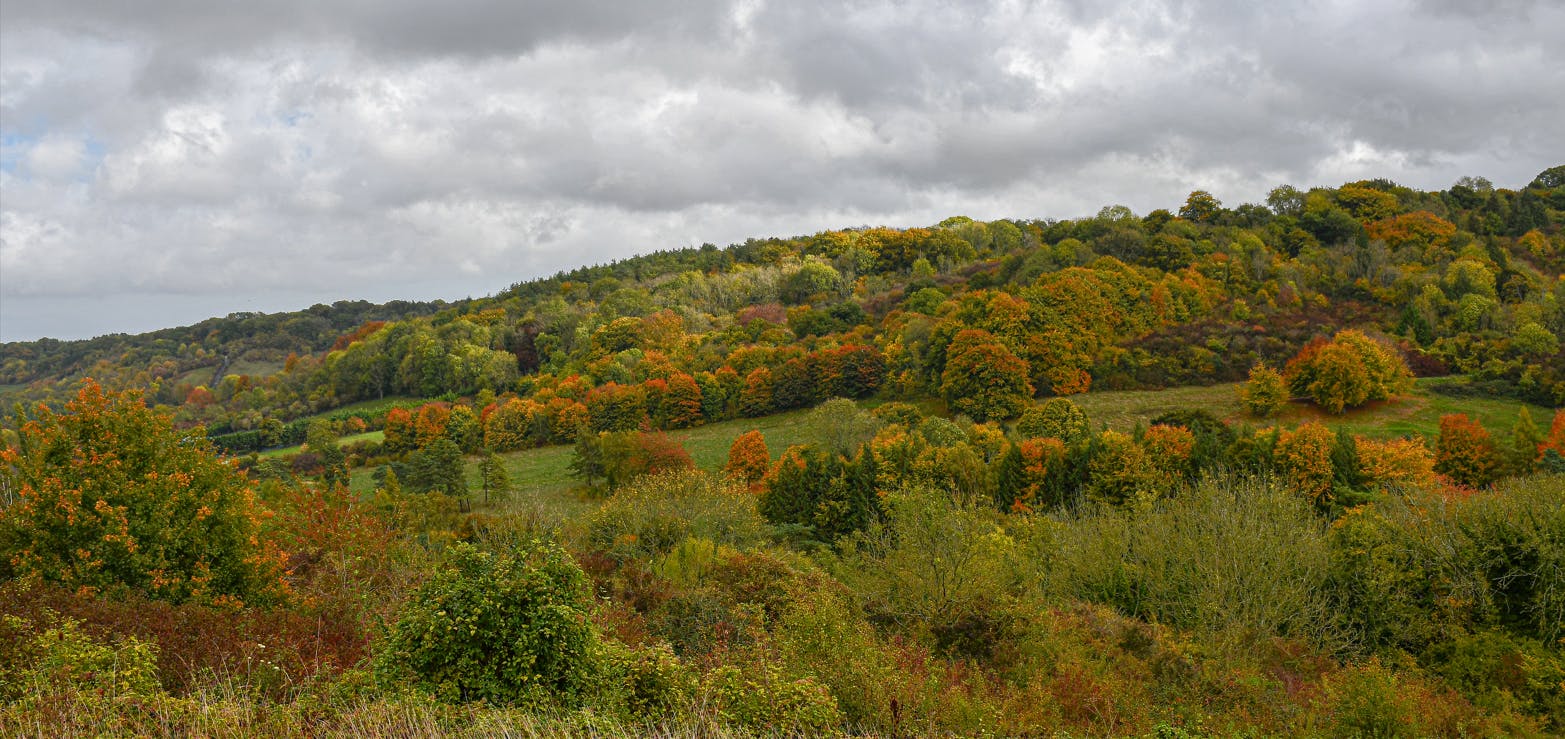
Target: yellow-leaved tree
109, 494
1348, 371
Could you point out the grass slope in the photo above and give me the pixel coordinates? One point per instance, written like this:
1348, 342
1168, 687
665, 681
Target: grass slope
541, 478
1415, 414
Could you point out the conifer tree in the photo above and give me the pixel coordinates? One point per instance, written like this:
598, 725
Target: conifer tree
492, 473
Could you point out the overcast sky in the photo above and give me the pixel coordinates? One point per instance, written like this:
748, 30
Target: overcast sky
163, 162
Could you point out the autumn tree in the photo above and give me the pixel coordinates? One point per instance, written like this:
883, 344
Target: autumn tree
506, 427
1348, 371
109, 494
1303, 455
983, 378
1170, 449
398, 428
1119, 471
1396, 463
615, 407
748, 458
430, 423
1464, 451
680, 405
1266, 392
1026, 471
756, 397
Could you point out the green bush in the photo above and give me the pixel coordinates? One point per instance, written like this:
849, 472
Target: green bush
932, 565
507, 628
1239, 559
821, 634
649, 683
653, 514
1407, 573
65, 659
764, 699
1058, 418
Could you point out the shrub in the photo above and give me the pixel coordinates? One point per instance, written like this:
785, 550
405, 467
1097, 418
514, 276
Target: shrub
1265, 393
1056, 417
1348, 371
649, 683
63, 658
109, 494
652, 514
764, 699
1238, 559
932, 564
506, 628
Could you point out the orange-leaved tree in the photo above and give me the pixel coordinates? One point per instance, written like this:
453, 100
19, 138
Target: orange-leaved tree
748, 458
983, 378
1465, 452
1350, 370
1304, 456
109, 494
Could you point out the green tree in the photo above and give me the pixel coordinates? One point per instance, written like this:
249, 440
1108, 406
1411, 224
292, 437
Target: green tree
438, 468
464, 428
507, 629
1526, 440
1201, 207
587, 458
321, 441
491, 471
1056, 418
109, 494
811, 279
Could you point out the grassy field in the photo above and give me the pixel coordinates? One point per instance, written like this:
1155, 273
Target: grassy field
548, 467
254, 368
542, 477
1415, 414
376, 436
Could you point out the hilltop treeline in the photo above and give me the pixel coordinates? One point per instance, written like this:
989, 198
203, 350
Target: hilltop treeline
1465, 280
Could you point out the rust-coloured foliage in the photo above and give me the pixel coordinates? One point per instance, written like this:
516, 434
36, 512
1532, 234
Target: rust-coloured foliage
748, 458
1465, 453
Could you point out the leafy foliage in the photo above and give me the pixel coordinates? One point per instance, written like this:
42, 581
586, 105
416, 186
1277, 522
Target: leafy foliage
108, 495
1348, 371
507, 628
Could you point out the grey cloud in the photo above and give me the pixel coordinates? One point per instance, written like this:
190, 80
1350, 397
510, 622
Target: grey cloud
254, 149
